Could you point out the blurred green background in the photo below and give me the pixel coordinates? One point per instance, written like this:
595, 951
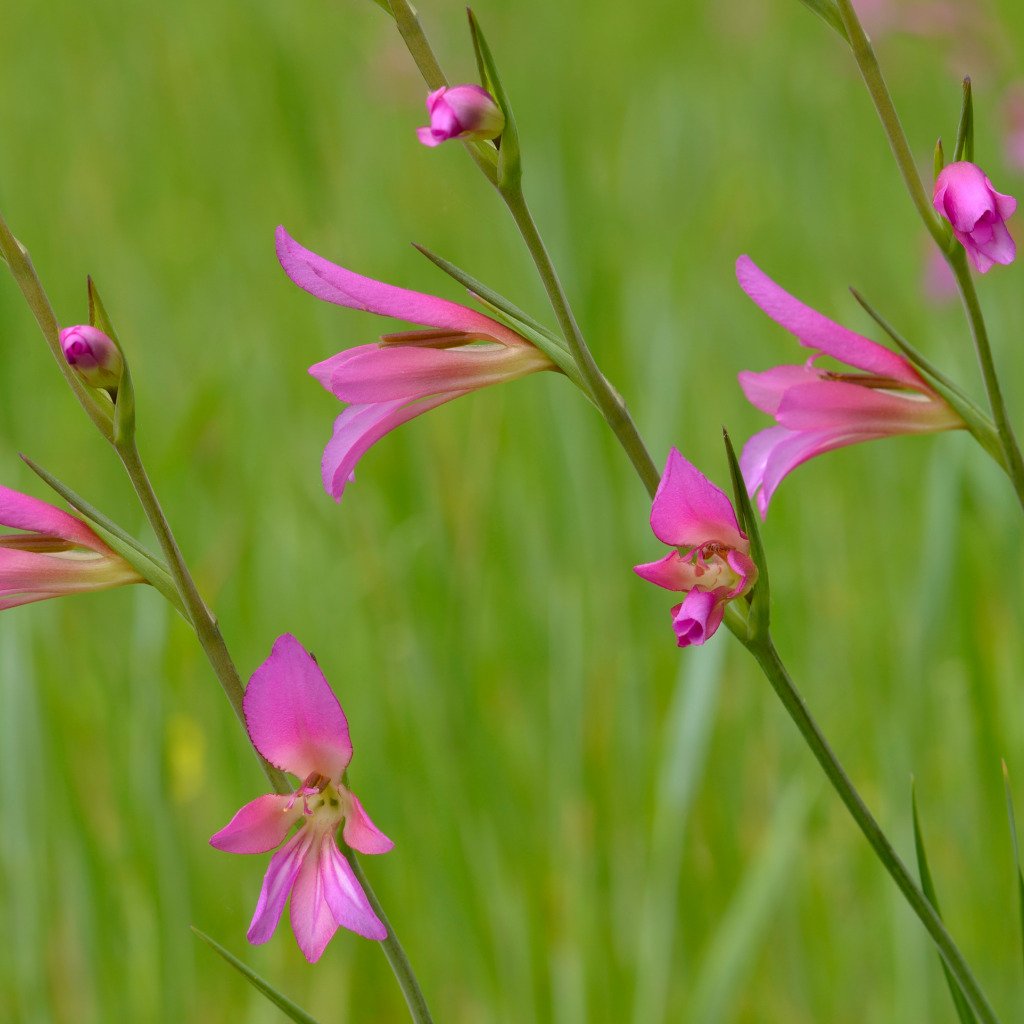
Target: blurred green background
590, 825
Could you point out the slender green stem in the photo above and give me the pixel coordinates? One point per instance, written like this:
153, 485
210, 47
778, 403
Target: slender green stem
864, 55
771, 664
979, 332
393, 950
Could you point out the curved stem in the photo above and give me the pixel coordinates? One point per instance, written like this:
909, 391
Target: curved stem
771, 664
393, 950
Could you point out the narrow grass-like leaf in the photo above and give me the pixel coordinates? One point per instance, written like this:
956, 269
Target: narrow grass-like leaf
965, 129
829, 13
938, 158
963, 1009
1016, 849
124, 404
385, 7
283, 1003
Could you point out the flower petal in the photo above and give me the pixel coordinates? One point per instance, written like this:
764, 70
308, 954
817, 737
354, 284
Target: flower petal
689, 509
260, 825
360, 832
359, 427
277, 883
764, 390
697, 618
293, 717
673, 572
22, 512
345, 896
814, 330
25, 573
335, 284
312, 921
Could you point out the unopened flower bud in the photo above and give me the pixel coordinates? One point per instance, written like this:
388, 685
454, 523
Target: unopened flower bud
94, 357
461, 112
977, 214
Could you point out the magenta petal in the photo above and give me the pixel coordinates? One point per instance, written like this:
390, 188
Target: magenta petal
312, 921
360, 832
689, 509
814, 330
345, 896
335, 284
260, 825
277, 883
293, 716
765, 390
22, 512
697, 618
359, 427
673, 572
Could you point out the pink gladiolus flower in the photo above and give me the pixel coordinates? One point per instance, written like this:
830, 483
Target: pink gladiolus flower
977, 213
406, 374
689, 511
296, 723
461, 112
818, 410
56, 554
93, 355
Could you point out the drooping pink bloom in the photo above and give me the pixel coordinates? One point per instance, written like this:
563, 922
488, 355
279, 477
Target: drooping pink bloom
406, 374
93, 355
464, 112
977, 214
689, 511
817, 410
296, 723
56, 554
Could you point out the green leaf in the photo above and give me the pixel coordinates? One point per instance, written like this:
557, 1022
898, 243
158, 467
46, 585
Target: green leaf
938, 158
385, 7
124, 401
1016, 848
146, 564
283, 1003
828, 12
964, 149
510, 169
760, 596
963, 1008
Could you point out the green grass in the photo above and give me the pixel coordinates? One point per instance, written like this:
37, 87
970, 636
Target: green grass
589, 825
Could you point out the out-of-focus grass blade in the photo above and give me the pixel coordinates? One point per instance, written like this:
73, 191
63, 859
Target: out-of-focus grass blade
963, 1009
282, 1002
1016, 849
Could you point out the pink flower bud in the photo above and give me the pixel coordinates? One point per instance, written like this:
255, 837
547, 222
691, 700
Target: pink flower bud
94, 357
461, 112
977, 213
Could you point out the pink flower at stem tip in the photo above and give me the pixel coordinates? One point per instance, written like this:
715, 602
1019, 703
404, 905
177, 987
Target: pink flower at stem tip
690, 512
466, 112
296, 723
977, 214
93, 355
818, 410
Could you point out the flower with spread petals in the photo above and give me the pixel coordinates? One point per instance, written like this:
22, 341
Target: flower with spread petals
977, 214
465, 112
56, 554
406, 374
93, 355
690, 512
296, 723
816, 409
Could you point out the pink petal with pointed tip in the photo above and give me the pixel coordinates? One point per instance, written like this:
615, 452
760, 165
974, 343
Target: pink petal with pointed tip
428, 138
277, 883
293, 716
22, 512
360, 832
25, 572
312, 921
359, 427
260, 825
689, 509
345, 896
697, 618
673, 572
335, 284
764, 390
814, 330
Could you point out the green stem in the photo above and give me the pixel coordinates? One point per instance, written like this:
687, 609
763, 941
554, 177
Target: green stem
393, 950
969, 295
768, 658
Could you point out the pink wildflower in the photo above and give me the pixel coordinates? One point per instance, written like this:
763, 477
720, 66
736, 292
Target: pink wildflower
818, 410
977, 213
56, 555
93, 355
691, 512
406, 374
296, 723
465, 112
